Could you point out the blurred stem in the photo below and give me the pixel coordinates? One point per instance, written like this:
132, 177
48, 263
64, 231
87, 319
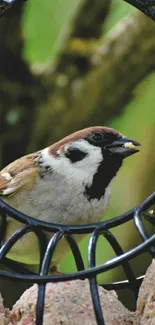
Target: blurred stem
88, 22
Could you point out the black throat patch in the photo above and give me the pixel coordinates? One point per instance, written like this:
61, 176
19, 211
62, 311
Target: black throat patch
105, 173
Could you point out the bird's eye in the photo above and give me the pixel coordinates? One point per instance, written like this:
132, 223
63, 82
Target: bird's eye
97, 137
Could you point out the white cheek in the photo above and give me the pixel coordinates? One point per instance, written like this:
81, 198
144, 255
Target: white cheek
81, 171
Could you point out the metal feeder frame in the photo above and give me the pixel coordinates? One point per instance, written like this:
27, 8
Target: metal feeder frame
67, 231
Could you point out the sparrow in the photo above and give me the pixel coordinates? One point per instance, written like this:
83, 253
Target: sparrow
66, 183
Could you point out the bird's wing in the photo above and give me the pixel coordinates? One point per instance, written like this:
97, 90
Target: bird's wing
22, 173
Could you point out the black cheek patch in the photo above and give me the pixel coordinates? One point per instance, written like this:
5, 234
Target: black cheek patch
75, 154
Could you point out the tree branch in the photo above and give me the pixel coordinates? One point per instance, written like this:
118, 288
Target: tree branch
114, 67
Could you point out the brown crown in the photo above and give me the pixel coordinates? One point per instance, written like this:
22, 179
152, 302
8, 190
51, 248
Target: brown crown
78, 135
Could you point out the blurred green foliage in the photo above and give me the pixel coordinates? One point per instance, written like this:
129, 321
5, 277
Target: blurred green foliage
119, 9
46, 24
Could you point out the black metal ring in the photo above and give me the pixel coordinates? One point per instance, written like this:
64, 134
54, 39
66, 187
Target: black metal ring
18, 272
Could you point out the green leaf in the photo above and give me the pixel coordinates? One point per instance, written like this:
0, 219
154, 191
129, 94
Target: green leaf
46, 25
119, 10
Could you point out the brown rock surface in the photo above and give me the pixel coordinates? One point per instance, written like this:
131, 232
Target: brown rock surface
70, 303
146, 298
4, 313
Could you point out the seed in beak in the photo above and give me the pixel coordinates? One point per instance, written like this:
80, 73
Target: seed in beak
129, 145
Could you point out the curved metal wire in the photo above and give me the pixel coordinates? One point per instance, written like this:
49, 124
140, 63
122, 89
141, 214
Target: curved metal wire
67, 231
93, 281
44, 270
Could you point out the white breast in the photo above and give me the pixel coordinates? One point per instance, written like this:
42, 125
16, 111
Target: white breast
59, 196
61, 204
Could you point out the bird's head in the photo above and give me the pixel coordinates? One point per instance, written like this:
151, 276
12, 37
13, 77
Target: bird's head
95, 143
92, 155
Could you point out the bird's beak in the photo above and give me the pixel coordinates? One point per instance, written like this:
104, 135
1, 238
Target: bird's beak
123, 147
